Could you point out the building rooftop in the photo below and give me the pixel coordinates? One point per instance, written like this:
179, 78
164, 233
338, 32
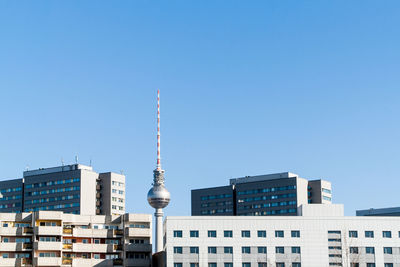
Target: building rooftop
257, 178
64, 168
394, 211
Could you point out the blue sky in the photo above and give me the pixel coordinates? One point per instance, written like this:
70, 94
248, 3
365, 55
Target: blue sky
247, 88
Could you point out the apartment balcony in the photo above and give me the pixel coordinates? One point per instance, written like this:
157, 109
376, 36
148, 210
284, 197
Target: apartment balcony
13, 231
98, 233
67, 231
118, 232
138, 232
78, 262
137, 262
15, 246
138, 247
98, 203
48, 230
67, 246
98, 195
15, 262
48, 246
46, 215
98, 187
47, 261
147, 218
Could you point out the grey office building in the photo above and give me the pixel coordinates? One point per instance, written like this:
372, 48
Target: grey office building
73, 189
272, 194
395, 211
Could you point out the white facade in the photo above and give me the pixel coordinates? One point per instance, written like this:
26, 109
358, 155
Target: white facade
320, 237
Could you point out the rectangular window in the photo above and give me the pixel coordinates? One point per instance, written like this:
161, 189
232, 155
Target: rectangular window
212, 233
279, 233
194, 250
370, 250
280, 264
228, 250
228, 233
387, 250
262, 233
353, 234
228, 264
246, 264
177, 233
296, 250
280, 250
295, 233
246, 250
194, 233
178, 250
388, 264
246, 233
387, 234
370, 264
212, 250
262, 250
369, 234
177, 264
212, 264
354, 264
194, 264
354, 250
262, 264
96, 256
296, 264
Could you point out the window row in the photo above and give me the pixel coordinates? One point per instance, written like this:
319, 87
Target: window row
244, 233
244, 264
51, 199
370, 234
52, 191
50, 183
269, 205
54, 207
245, 250
251, 199
267, 190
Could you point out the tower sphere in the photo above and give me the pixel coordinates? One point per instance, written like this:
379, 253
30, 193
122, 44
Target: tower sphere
158, 197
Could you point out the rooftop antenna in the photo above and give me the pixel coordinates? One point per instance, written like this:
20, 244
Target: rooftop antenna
76, 159
158, 132
27, 168
90, 163
62, 162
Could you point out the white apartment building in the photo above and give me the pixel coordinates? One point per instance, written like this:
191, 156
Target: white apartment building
320, 236
54, 238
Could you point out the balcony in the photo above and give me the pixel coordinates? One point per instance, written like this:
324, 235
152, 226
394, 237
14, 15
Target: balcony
98, 187
67, 231
98, 195
147, 218
78, 262
98, 233
15, 262
48, 230
138, 247
47, 261
138, 232
48, 246
118, 232
67, 246
13, 231
15, 246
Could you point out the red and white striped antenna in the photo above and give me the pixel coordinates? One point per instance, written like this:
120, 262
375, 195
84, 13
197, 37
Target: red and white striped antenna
158, 131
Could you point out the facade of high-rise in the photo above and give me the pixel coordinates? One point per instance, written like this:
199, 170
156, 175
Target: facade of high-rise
73, 189
319, 236
395, 211
53, 238
272, 194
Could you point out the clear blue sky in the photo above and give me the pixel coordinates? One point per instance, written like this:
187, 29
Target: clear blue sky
247, 88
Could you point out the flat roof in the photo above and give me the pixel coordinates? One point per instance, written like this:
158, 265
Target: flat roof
64, 168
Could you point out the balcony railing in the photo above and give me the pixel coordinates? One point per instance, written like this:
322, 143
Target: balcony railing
67, 231
67, 261
67, 246
118, 232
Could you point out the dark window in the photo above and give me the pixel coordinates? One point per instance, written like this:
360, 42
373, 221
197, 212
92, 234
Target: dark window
212, 233
245, 233
178, 250
212, 250
194, 233
353, 234
246, 250
279, 250
228, 233
387, 234
279, 234
369, 234
354, 250
387, 250
194, 250
177, 233
262, 233
262, 250
296, 250
295, 233
370, 250
228, 250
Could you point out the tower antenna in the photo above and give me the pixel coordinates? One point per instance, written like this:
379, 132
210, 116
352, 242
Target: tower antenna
158, 132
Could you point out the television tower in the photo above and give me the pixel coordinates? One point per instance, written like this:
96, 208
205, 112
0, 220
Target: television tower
158, 196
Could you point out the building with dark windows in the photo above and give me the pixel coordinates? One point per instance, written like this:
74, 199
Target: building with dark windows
395, 211
272, 194
73, 189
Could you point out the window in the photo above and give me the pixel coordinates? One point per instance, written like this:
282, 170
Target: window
194, 250
388, 264
354, 250
370, 264
262, 233
228, 250
369, 234
296, 264
178, 250
97, 241
279, 234
212, 233
228, 233
354, 264
280, 264
262, 264
228, 264
387, 234
387, 250
5, 255
194, 233
246, 250
177, 233
262, 250
296, 250
178, 264
353, 234
370, 250
96, 256
212, 264
194, 264
295, 233
246, 233
279, 250
84, 241
246, 264
212, 250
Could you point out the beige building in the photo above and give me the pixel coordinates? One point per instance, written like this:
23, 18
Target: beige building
54, 238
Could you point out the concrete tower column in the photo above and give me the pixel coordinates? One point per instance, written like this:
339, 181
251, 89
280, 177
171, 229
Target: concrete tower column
159, 230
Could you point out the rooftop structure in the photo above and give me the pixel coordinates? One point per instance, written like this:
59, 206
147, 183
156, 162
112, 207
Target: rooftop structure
395, 211
271, 194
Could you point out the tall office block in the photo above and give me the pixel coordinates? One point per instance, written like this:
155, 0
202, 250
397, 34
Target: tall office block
272, 194
72, 188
